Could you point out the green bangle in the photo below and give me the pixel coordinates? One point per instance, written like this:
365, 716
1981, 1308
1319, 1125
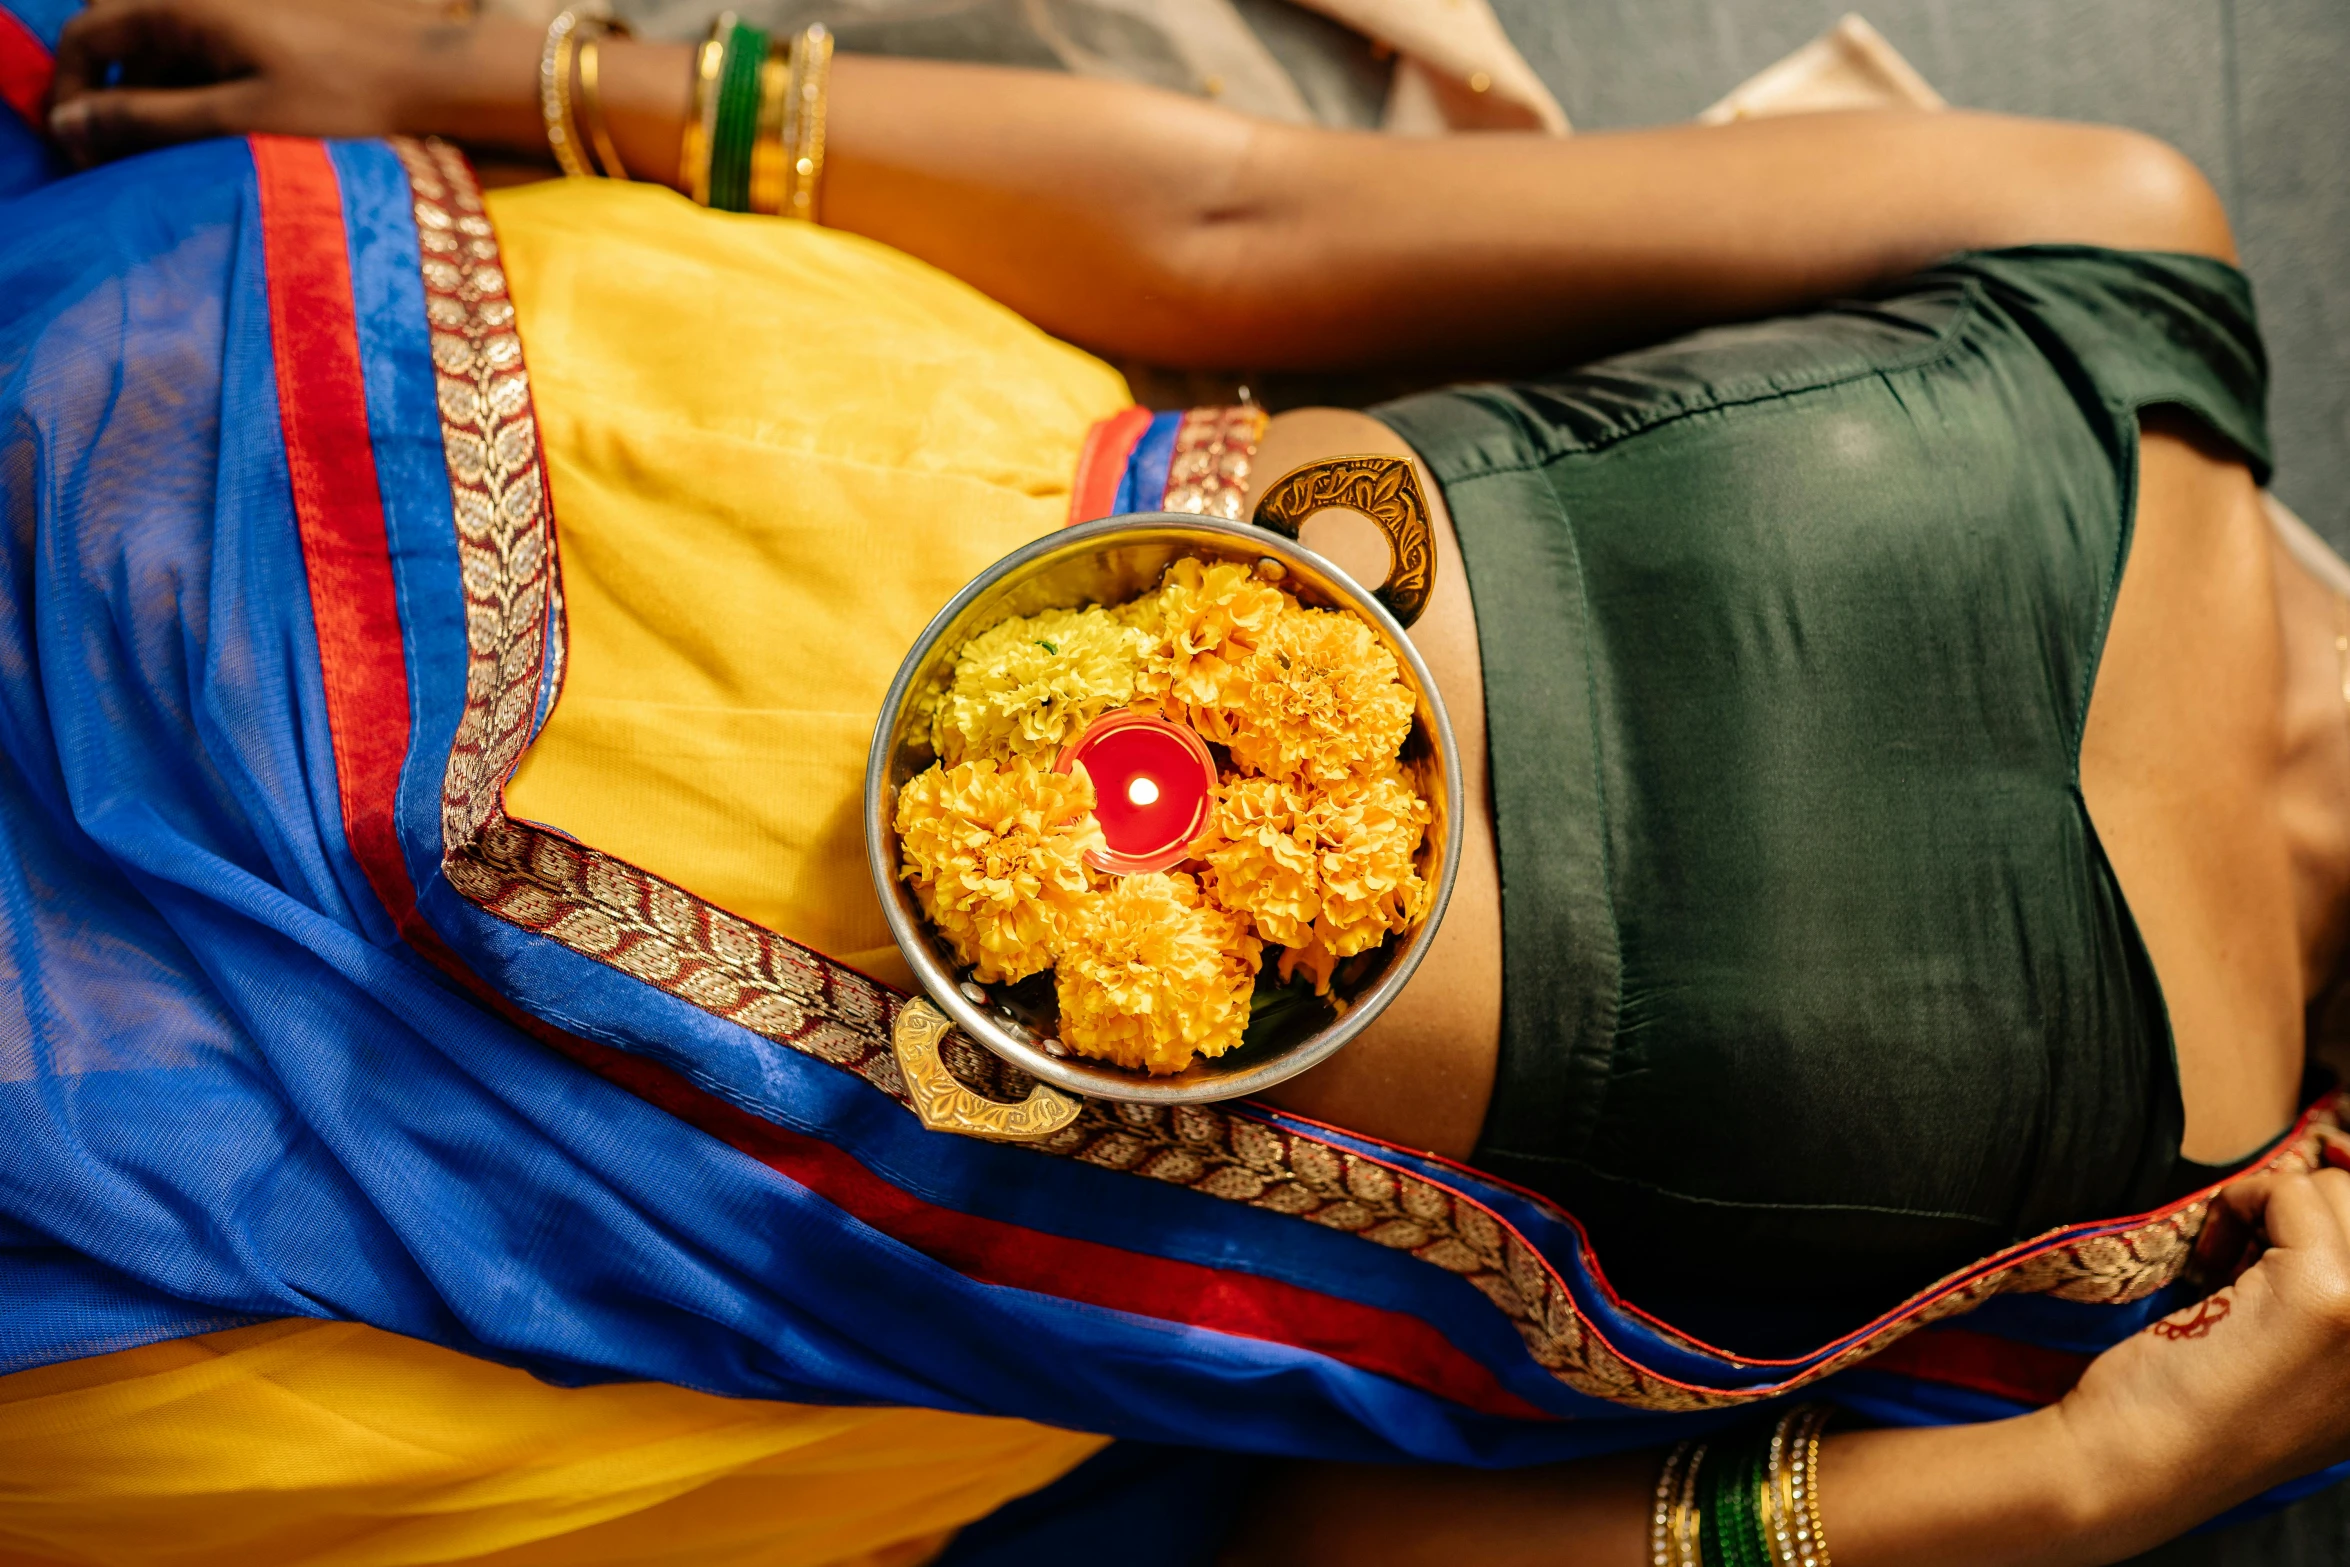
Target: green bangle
1750, 1512
1731, 1523
737, 124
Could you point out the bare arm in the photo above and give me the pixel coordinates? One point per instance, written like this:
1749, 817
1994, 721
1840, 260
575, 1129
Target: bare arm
1167, 229
2010, 1494
1160, 227
2167, 1429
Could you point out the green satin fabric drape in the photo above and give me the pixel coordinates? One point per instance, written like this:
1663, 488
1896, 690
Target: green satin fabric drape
1817, 981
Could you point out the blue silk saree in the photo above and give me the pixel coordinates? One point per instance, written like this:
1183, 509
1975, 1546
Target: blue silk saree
300, 1023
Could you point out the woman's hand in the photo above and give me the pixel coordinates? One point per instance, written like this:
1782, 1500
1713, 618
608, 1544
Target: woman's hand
137, 74
2242, 1391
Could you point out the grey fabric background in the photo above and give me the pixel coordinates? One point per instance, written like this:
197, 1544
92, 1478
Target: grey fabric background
2255, 91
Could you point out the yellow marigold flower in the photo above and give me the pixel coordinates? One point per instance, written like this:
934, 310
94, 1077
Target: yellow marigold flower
1032, 683
995, 854
1325, 873
1320, 697
1152, 973
1369, 830
1207, 618
1261, 849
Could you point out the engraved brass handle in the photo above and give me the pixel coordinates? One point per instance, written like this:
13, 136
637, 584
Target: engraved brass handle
1382, 488
945, 1105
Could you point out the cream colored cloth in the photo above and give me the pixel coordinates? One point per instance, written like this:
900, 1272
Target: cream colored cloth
1850, 66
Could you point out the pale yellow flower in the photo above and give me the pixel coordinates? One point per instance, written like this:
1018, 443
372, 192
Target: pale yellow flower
1030, 685
995, 854
1318, 698
1152, 973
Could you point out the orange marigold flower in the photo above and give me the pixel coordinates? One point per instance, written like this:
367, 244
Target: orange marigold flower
1369, 830
996, 856
1207, 618
1318, 698
1325, 873
1152, 973
1261, 850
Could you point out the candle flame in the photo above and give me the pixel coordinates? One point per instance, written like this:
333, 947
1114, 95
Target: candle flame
1143, 791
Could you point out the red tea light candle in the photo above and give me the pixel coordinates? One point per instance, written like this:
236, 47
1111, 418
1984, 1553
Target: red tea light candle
1153, 782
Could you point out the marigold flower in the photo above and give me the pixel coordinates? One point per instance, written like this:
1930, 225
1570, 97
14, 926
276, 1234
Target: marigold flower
1325, 873
1152, 973
1206, 619
1369, 831
1318, 698
1032, 683
1261, 849
996, 856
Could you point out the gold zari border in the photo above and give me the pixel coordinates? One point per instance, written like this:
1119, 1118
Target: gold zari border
613, 912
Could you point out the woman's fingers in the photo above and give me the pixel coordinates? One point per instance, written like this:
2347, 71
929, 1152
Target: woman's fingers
142, 43
137, 74
2329, 1200
88, 46
97, 126
2296, 1208
2306, 1217
2247, 1199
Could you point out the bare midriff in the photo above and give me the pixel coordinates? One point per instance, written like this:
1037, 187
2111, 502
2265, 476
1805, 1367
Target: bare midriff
1422, 1073
2214, 769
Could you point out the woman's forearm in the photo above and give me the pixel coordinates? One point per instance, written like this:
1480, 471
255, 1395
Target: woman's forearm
2016, 1493
1153, 225
1161, 227
1175, 231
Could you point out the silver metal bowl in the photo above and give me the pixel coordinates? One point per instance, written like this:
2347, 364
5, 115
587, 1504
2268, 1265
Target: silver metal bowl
1111, 562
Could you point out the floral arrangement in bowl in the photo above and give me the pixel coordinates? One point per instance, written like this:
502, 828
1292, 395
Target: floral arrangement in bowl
1165, 805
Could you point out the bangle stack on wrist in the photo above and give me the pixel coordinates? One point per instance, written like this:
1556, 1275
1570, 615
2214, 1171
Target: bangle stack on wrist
576, 31
755, 139
1750, 1499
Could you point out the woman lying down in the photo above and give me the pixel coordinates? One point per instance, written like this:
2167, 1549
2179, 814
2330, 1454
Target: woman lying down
1905, 865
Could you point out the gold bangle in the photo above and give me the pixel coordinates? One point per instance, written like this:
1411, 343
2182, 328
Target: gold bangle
770, 158
555, 91
1660, 1519
1688, 1517
803, 122
591, 102
1774, 1494
1810, 1532
701, 126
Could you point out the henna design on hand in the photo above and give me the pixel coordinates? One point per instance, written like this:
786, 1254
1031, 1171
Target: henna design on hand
2207, 1313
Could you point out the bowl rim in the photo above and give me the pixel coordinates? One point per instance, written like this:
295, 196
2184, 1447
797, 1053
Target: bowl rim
1073, 1073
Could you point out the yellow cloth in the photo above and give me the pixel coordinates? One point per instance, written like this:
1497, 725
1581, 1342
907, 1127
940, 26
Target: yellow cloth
775, 451
326, 1444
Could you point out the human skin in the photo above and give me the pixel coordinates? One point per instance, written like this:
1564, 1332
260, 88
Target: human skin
1159, 228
